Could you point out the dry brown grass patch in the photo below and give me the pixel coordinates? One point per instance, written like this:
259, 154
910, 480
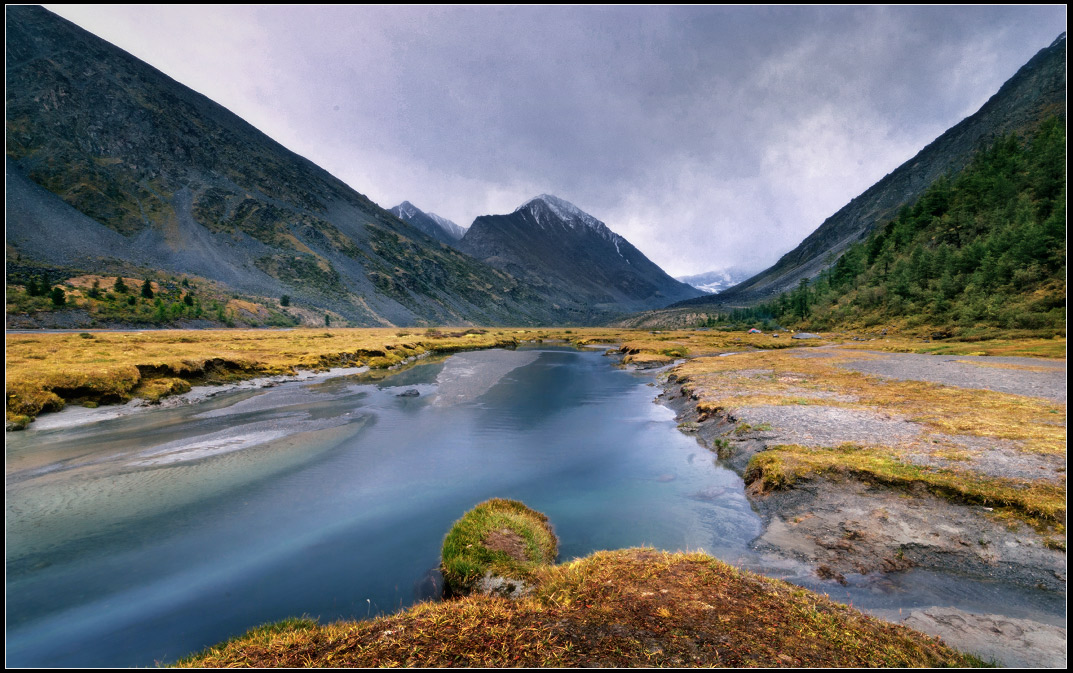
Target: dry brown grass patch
625, 608
718, 383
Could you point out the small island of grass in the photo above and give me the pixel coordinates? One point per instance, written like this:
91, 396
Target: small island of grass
495, 547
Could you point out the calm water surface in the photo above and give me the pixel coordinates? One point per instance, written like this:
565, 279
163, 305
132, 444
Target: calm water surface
142, 539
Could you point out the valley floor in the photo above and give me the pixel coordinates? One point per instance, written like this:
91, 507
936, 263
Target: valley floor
862, 457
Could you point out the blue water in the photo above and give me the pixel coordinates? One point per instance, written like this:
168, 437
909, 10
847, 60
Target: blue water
145, 538
142, 539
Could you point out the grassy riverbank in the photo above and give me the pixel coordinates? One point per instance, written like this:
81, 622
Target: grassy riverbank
47, 370
947, 429
635, 607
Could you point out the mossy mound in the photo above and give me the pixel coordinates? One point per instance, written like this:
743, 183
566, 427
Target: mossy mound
495, 547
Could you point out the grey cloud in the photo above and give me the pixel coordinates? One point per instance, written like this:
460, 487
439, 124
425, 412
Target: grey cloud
737, 129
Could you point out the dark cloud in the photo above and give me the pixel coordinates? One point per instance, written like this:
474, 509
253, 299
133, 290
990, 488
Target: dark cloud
708, 136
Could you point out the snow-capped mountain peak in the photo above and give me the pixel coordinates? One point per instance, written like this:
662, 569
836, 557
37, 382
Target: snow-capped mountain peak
432, 224
562, 209
406, 210
552, 243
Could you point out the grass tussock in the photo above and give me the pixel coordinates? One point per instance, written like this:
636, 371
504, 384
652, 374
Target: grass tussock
500, 537
1041, 504
633, 607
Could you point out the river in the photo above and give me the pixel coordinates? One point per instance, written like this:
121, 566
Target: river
140, 539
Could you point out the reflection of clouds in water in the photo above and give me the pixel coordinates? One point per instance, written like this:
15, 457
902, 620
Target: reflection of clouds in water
467, 376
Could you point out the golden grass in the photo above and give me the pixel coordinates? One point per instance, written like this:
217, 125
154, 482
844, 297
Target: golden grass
780, 378
1039, 503
635, 607
1054, 348
46, 370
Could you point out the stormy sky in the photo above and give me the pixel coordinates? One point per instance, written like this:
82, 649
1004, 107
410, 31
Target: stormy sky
709, 137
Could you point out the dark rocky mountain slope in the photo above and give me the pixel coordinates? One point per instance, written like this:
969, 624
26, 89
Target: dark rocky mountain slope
113, 165
1037, 91
572, 257
437, 227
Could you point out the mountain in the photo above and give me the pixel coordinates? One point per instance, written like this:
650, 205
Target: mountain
572, 257
980, 255
432, 224
113, 166
1037, 91
714, 282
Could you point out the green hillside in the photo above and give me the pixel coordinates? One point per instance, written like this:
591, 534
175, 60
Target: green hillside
980, 252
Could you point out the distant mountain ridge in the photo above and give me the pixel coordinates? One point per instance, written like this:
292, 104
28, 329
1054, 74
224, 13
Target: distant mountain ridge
432, 224
715, 282
1035, 92
573, 257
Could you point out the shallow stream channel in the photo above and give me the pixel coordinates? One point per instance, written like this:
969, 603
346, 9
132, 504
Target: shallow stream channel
138, 539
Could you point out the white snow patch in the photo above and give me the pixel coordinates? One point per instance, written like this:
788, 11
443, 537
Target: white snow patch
565, 211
